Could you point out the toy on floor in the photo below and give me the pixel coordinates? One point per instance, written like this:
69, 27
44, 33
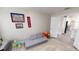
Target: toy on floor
17, 44
46, 34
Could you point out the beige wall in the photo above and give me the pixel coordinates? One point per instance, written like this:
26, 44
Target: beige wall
40, 22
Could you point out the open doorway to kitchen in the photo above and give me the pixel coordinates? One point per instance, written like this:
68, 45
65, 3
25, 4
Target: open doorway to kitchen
69, 30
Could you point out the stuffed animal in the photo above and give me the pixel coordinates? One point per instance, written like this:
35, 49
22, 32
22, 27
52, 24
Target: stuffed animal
17, 44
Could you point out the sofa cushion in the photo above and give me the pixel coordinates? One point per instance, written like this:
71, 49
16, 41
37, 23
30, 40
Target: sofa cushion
36, 36
29, 43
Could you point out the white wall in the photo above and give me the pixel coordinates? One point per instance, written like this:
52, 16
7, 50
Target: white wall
0, 31
40, 22
0, 35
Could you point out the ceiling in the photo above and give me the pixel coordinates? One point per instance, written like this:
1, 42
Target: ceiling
54, 10
48, 10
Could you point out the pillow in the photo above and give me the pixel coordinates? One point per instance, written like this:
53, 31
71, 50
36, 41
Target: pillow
45, 34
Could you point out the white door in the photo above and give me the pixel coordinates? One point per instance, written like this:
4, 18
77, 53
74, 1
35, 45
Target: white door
55, 27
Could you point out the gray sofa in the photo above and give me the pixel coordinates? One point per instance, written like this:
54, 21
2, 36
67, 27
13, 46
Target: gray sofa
6, 45
35, 40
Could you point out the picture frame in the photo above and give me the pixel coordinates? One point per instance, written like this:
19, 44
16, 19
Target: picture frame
18, 26
17, 17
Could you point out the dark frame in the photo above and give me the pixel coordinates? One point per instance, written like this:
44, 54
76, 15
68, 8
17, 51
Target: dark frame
16, 17
19, 26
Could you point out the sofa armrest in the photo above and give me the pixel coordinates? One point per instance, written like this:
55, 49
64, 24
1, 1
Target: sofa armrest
6, 45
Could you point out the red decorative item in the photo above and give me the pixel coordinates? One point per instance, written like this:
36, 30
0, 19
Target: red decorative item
29, 21
45, 34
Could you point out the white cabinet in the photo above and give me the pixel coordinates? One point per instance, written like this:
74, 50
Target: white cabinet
76, 40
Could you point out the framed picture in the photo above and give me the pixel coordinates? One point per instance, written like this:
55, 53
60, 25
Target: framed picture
19, 26
16, 17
